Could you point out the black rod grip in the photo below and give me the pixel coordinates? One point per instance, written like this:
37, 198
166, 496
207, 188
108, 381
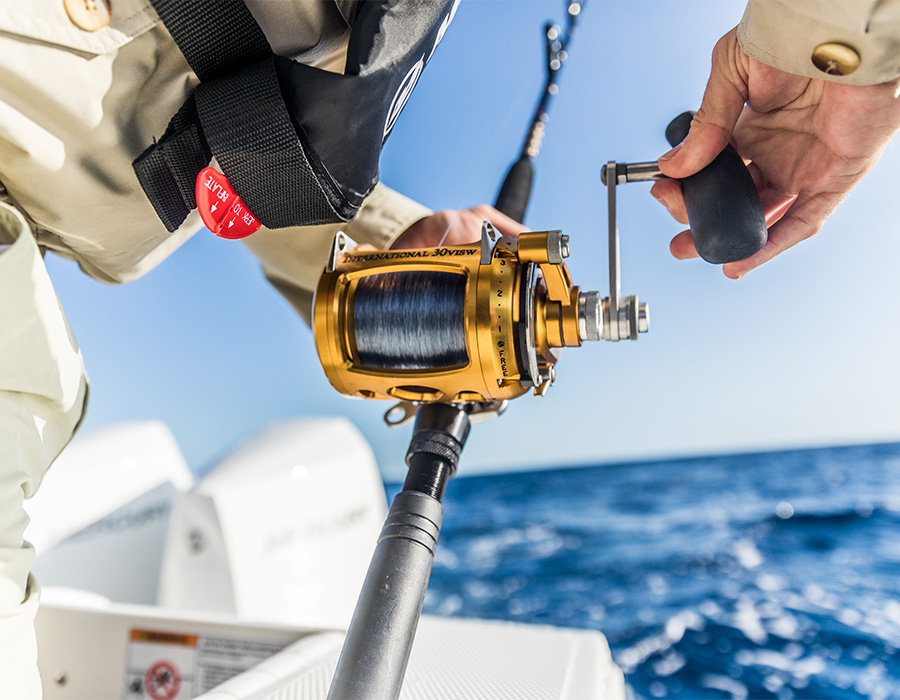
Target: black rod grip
725, 213
516, 190
376, 649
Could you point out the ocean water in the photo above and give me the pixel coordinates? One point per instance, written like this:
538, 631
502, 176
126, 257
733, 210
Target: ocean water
771, 575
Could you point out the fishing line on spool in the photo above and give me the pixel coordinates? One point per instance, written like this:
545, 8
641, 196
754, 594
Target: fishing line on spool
411, 320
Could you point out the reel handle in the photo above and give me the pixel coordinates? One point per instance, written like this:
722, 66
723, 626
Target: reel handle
724, 210
516, 189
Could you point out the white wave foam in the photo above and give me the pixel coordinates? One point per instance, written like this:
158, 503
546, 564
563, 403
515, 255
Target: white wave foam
736, 689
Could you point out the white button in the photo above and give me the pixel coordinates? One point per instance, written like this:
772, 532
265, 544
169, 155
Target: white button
89, 15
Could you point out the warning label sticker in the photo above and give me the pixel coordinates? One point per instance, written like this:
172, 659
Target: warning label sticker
171, 666
162, 681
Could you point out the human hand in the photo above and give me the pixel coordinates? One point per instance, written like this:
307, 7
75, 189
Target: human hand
451, 227
808, 143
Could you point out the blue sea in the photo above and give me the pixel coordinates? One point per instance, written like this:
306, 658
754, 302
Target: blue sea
771, 575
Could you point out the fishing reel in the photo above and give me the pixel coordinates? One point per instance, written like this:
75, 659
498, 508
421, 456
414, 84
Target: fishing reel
466, 323
484, 323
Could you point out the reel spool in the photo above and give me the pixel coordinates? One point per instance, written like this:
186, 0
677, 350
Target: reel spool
454, 324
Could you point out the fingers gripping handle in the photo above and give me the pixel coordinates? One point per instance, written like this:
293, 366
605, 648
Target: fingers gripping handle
725, 213
516, 190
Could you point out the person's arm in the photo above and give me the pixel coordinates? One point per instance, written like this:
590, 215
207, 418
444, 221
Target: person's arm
809, 135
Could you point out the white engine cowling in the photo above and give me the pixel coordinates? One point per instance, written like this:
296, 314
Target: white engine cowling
282, 530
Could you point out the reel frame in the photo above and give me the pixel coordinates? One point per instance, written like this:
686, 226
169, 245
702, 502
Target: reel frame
520, 309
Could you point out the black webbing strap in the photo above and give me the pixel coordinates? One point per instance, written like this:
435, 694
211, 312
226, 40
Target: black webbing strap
244, 113
167, 170
217, 37
237, 114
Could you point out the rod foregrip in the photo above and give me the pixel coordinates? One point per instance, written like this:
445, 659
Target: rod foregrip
376, 651
724, 210
516, 189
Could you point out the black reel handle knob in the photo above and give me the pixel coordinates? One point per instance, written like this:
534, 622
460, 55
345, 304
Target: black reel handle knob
725, 213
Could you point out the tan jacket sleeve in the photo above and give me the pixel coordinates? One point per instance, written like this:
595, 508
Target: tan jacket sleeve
292, 259
42, 395
785, 34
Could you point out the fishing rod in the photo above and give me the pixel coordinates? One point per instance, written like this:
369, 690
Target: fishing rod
515, 191
453, 333
397, 325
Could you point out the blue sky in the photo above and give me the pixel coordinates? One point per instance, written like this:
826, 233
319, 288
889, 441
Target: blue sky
801, 352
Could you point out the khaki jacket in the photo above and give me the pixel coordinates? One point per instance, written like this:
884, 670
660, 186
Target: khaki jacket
77, 107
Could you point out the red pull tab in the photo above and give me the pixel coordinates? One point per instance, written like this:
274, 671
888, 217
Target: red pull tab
223, 212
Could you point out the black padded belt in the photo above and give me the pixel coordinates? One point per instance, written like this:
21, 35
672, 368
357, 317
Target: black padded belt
299, 145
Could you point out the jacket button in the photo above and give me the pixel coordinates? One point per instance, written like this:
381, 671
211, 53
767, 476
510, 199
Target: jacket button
835, 59
89, 15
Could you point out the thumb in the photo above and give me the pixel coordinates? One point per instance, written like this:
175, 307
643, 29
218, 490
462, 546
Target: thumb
726, 93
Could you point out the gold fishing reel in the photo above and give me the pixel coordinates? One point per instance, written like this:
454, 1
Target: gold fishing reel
466, 323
